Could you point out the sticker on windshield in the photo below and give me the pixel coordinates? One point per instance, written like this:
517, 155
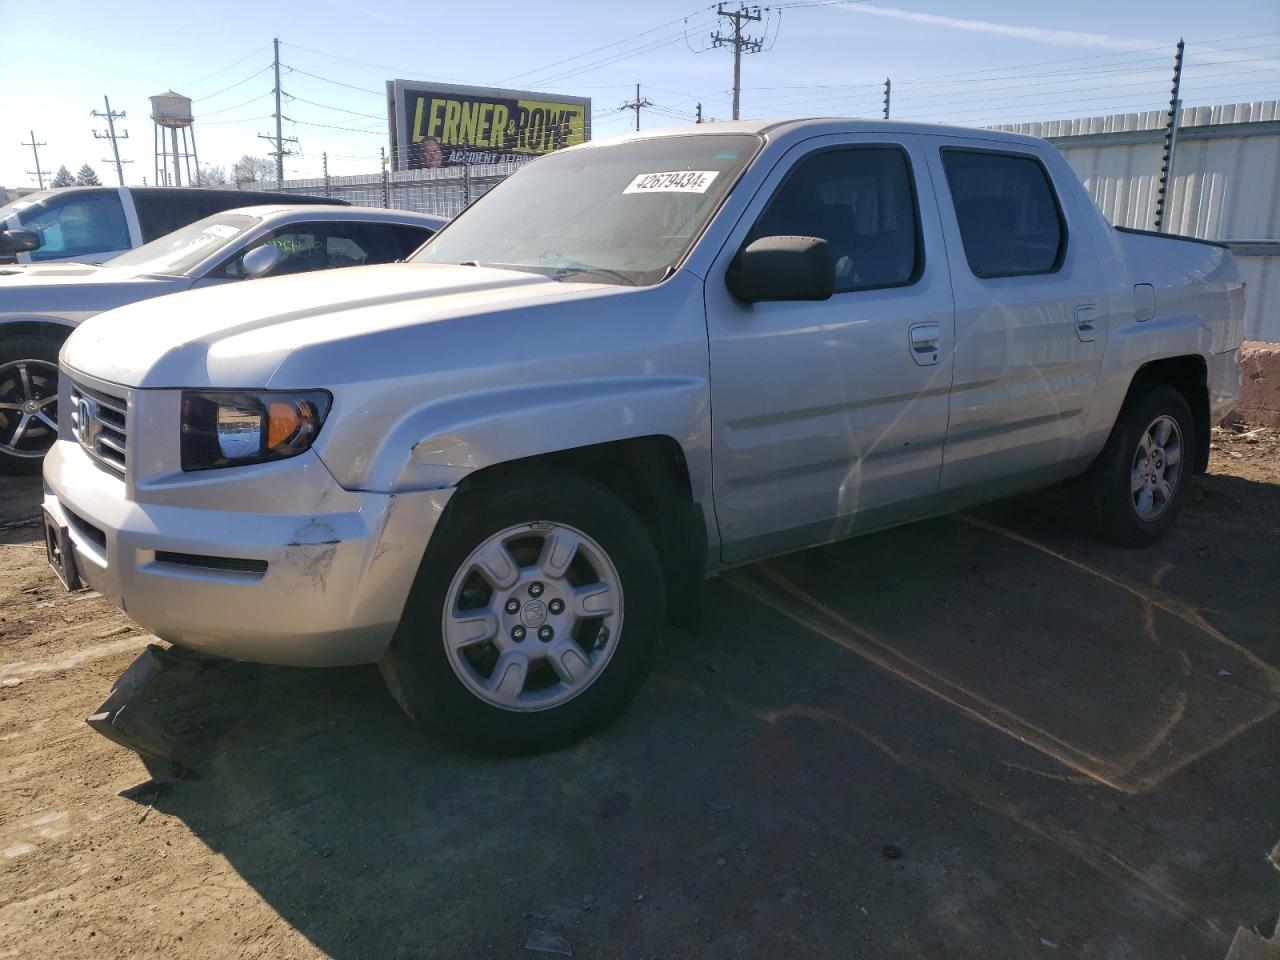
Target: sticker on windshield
673, 181
225, 231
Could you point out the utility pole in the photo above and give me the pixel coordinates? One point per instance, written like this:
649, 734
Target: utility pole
699, 120
279, 139
887, 88
325, 160
111, 135
636, 104
1170, 139
38, 172
739, 42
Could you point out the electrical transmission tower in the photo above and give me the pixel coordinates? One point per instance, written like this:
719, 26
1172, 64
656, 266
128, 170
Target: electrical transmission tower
279, 139
740, 43
636, 105
111, 117
39, 171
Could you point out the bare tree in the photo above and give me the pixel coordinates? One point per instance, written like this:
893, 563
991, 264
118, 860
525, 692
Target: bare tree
250, 169
213, 176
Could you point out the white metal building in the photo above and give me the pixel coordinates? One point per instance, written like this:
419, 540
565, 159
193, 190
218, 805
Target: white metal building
1225, 183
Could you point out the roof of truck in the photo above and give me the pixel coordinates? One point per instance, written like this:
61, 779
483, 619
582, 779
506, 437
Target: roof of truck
776, 126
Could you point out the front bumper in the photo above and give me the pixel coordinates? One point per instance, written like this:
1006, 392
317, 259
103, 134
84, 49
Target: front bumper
274, 563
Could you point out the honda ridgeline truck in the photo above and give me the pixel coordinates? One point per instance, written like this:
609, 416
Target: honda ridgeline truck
498, 470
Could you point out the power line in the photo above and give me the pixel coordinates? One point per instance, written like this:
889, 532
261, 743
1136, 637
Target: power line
336, 83
325, 106
280, 139
230, 66
377, 66
607, 46
232, 86
237, 106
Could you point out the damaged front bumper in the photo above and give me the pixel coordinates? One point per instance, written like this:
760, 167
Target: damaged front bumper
274, 563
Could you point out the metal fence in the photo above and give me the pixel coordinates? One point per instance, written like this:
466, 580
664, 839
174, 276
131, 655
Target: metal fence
442, 191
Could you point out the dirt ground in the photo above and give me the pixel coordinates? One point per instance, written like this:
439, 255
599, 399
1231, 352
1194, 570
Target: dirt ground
983, 736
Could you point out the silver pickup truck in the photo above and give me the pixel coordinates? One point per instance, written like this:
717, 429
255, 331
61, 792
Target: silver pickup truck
500, 469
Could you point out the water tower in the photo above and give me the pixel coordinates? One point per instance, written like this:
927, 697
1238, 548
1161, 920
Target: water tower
172, 115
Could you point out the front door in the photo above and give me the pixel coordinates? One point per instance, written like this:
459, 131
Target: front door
829, 417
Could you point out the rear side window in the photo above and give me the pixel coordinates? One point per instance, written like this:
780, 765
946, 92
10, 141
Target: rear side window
1010, 221
860, 200
163, 211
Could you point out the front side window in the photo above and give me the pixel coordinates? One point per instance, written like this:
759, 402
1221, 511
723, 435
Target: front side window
163, 211
860, 200
623, 214
76, 224
1010, 221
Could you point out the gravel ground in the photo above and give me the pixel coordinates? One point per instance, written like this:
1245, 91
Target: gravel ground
979, 736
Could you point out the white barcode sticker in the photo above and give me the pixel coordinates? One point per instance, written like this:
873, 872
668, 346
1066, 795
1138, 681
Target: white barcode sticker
673, 181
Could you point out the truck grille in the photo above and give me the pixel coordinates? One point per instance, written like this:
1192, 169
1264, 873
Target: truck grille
98, 421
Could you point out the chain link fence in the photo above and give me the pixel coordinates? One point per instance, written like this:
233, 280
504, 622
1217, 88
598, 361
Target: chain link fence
442, 191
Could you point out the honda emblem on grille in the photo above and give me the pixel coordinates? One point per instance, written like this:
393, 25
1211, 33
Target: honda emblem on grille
87, 422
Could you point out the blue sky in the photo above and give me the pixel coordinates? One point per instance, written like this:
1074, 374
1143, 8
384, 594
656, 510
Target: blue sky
972, 63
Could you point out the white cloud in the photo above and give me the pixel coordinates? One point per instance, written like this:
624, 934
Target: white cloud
1058, 38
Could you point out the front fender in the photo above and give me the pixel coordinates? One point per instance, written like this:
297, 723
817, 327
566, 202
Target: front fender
439, 443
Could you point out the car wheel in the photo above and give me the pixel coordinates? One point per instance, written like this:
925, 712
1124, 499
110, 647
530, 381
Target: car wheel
534, 618
1135, 488
28, 402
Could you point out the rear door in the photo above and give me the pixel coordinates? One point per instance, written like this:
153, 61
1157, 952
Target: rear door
829, 417
1030, 321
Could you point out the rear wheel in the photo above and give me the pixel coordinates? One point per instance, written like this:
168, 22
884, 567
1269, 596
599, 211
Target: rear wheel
534, 618
28, 402
1135, 488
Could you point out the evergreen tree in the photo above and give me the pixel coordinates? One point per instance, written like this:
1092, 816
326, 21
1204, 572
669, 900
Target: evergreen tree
87, 177
62, 178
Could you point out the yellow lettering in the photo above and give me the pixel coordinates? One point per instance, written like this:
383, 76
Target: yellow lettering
452, 113
433, 124
417, 123
499, 137
467, 126
484, 129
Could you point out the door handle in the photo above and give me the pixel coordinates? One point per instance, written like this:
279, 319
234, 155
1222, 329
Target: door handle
1086, 318
923, 339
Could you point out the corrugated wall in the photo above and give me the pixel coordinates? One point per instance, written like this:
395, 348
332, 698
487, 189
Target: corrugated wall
1225, 185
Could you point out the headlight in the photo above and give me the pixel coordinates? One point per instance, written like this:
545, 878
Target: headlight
227, 429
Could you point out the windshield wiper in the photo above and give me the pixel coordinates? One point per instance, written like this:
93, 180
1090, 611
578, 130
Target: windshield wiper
564, 273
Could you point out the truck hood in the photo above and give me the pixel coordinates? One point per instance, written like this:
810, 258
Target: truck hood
235, 336
75, 292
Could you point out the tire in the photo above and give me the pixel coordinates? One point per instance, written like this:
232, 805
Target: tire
1109, 496
28, 401
577, 676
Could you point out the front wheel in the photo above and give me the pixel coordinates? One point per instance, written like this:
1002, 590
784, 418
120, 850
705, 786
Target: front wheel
534, 618
1135, 489
28, 402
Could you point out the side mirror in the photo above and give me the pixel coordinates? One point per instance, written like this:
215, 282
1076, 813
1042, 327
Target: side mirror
20, 241
260, 261
783, 268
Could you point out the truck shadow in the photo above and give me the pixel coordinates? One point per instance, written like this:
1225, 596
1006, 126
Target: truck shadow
1018, 711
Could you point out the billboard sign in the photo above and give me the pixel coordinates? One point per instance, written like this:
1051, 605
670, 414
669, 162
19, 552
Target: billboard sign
436, 124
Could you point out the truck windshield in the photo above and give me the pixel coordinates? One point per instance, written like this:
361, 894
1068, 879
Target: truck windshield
622, 214
176, 253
